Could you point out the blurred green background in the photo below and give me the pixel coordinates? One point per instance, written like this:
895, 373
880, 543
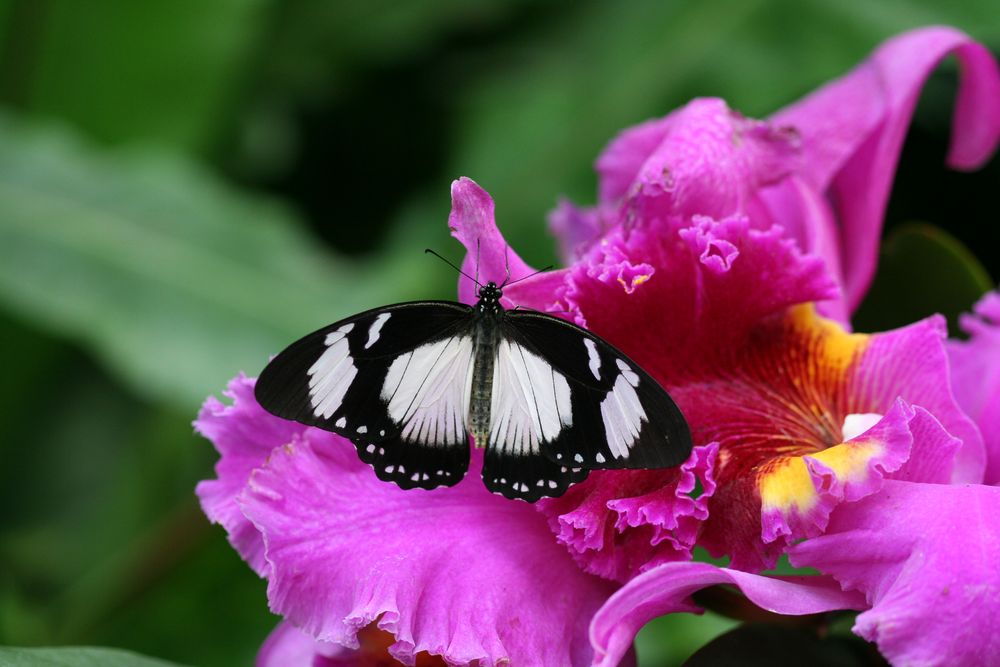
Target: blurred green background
187, 186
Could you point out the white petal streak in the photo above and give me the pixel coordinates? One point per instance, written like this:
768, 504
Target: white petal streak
530, 402
428, 391
622, 412
332, 374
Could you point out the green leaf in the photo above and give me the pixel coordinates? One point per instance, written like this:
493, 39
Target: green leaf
102, 541
176, 281
76, 657
922, 270
668, 640
160, 72
759, 645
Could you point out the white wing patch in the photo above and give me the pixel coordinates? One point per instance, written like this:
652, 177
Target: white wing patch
376, 328
622, 412
332, 374
593, 359
428, 391
530, 402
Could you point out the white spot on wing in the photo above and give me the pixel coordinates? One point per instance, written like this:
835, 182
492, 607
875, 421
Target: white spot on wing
594, 359
362, 429
627, 371
622, 413
332, 374
599, 457
341, 423
376, 328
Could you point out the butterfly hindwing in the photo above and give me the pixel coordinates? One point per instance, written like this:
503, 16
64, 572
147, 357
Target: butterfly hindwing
527, 476
394, 380
410, 466
530, 405
620, 416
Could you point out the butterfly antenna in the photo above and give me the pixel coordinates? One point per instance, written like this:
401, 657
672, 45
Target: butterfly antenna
506, 265
477, 262
426, 250
514, 282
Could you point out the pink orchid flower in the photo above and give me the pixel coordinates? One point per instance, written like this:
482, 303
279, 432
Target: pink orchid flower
724, 256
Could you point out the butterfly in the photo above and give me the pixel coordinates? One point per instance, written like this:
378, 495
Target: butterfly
409, 383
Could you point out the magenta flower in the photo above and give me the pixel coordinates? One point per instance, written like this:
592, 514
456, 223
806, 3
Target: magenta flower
821, 168
454, 572
976, 376
852, 440
718, 250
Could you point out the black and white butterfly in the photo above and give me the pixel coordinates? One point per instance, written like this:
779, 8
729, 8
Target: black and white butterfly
409, 383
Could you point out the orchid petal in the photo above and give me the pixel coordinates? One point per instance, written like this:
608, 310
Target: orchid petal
287, 646
805, 215
912, 362
620, 162
453, 572
976, 375
710, 162
575, 228
667, 588
489, 257
925, 556
853, 128
618, 523
244, 434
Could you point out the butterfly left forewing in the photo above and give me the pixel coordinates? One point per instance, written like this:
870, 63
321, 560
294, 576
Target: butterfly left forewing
620, 416
393, 380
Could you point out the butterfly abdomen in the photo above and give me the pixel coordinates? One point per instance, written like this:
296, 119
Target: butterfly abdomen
487, 338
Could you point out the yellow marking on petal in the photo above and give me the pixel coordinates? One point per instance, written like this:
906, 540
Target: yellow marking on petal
636, 281
849, 461
835, 348
786, 485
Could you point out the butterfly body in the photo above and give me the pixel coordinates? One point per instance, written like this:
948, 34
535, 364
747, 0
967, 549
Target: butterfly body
409, 383
489, 315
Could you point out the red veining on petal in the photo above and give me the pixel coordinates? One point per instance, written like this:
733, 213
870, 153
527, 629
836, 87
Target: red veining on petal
782, 394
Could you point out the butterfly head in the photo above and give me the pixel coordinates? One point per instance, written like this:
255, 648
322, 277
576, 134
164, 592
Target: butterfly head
489, 297
490, 292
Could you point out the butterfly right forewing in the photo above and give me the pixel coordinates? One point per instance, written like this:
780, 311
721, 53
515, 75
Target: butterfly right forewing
620, 416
